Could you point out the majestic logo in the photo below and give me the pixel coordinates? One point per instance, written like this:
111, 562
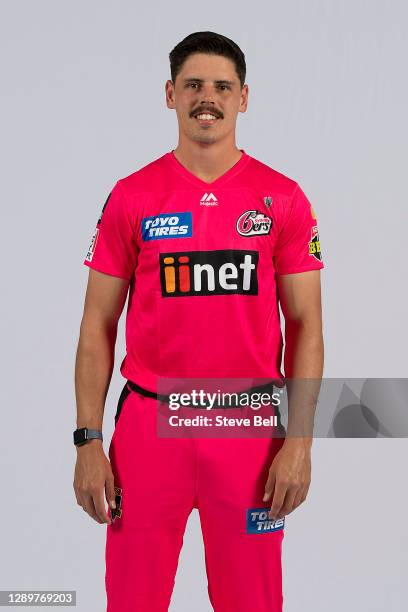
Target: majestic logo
168, 225
209, 199
208, 273
268, 201
253, 223
314, 244
104, 206
259, 522
92, 246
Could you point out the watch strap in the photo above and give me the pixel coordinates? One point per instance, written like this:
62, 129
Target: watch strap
83, 434
93, 433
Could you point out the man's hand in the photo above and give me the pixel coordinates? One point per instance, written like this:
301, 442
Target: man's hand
93, 480
289, 477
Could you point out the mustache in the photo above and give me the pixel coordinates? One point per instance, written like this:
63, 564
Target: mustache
204, 109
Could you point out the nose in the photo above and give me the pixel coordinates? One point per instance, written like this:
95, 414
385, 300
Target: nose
207, 94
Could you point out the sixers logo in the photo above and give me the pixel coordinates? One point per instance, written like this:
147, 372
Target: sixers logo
253, 223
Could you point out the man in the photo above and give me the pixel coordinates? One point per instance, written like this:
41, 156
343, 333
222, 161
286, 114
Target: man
208, 241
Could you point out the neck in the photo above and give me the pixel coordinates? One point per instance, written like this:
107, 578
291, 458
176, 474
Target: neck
207, 161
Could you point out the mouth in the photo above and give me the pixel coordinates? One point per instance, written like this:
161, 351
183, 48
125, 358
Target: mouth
206, 118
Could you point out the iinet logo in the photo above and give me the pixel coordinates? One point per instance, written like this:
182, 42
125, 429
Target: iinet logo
223, 272
209, 199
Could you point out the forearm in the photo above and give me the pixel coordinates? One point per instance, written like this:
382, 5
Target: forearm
93, 371
303, 361
304, 351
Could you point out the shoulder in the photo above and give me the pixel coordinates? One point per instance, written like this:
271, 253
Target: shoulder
268, 177
287, 199
145, 180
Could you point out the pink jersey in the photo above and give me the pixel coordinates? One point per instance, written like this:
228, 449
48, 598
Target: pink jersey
202, 260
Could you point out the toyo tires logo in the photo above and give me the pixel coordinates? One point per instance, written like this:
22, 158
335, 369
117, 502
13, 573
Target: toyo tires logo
258, 521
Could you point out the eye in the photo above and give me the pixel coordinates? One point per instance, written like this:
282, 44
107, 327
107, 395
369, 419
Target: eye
194, 85
223, 87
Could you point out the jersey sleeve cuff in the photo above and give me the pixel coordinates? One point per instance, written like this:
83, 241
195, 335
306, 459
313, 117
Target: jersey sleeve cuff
106, 270
297, 270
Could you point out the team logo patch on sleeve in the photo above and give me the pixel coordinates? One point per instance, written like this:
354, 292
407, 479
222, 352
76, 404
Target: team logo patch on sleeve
314, 244
259, 522
168, 225
253, 223
103, 209
92, 246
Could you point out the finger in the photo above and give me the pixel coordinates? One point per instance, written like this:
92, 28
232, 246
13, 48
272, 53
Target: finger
99, 502
269, 487
306, 490
89, 507
80, 497
301, 496
77, 497
110, 491
278, 499
288, 504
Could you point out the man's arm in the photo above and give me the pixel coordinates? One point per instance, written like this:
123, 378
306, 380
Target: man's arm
300, 298
104, 302
290, 473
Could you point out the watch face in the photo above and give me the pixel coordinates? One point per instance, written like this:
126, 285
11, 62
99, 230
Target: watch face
80, 435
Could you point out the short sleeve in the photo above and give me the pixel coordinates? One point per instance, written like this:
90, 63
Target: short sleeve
298, 242
113, 249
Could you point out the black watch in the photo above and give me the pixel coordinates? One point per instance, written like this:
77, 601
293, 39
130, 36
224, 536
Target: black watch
82, 435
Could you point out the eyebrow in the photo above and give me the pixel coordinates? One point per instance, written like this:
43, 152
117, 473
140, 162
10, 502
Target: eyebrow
218, 81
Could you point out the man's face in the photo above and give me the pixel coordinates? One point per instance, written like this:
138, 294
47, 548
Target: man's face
207, 96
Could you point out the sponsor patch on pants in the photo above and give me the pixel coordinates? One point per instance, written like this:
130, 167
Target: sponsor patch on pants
259, 522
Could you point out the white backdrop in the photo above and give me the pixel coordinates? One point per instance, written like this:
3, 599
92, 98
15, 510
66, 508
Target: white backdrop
83, 105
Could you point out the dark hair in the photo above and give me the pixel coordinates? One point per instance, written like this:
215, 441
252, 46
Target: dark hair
211, 43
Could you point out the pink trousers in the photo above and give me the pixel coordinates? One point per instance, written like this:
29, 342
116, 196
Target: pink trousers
162, 480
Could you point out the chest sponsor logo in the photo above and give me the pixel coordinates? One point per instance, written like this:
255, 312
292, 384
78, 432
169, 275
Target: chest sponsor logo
223, 272
314, 244
168, 225
259, 522
253, 223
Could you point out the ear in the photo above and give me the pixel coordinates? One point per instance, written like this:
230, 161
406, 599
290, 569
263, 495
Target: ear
170, 94
244, 99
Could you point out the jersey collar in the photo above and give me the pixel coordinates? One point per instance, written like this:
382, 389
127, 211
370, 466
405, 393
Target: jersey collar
192, 178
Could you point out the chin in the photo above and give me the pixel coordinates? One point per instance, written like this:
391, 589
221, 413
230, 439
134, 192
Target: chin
204, 138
